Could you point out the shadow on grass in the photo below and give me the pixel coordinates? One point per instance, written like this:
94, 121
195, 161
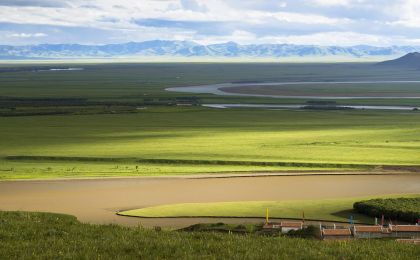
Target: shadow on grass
357, 217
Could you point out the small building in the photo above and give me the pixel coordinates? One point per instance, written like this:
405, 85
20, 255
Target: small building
287, 226
405, 231
336, 233
272, 226
414, 241
371, 231
284, 226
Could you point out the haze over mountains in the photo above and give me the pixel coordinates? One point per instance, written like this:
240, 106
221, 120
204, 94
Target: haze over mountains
192, 49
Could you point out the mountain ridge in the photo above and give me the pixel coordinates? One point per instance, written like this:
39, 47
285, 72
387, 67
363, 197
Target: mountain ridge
192, 49
410, 60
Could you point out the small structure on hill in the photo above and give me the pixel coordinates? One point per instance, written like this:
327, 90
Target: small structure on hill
405, 231
414, 241
284, 226
336, 233
376, 231
287, 226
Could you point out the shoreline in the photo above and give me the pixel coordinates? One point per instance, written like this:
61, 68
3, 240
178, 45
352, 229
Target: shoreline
223, 175
262, 219
97, 201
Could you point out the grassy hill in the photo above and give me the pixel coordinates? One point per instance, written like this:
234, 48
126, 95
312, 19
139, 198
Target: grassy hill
410, 60
50, 236
326, 209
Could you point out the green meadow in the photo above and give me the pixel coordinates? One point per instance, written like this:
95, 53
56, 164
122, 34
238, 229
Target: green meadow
51, 236
116, 119
323, 210
194, 140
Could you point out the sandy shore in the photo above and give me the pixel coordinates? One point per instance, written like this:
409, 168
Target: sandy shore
97, 200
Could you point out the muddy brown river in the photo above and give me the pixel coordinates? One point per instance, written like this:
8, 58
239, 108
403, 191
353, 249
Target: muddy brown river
97, 201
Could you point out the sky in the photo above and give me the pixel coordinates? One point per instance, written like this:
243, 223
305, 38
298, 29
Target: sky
309, 22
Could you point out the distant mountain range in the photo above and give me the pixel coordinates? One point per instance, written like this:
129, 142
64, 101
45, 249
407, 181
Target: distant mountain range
410, 60
192, 49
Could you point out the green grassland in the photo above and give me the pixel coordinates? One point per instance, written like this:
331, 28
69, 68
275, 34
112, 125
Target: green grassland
51, 236
241, 135
134, 82
45, 169
56, 122
327, 210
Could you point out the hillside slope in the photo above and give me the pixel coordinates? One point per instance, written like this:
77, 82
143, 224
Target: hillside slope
410, 60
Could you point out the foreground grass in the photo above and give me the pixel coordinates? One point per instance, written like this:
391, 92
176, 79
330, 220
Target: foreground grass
50, 236
329, 210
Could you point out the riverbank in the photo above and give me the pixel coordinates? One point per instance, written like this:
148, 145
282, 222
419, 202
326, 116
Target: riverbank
97, 201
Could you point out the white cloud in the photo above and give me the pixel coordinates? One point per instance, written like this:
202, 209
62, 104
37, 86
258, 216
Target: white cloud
193, 5
246, 21
187, 10
338, 2
27, 35
407, 12
306, 18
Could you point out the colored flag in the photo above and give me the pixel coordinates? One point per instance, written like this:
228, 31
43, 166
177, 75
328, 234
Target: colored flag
266, 216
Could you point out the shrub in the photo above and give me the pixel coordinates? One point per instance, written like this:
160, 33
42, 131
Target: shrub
404, 209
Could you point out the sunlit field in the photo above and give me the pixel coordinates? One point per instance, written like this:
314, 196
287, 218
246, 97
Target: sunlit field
359, 138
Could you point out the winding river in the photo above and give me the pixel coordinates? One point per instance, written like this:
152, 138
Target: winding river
97, 200
222, 89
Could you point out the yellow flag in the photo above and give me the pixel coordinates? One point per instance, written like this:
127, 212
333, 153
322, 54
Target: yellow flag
266, 216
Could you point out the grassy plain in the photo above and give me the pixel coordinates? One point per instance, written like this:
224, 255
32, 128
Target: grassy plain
319, 137
327, 210
240, 135
45, 169
133, 82
122, 111
50, 236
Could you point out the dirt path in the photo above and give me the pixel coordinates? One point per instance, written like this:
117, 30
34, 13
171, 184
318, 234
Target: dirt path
96, 201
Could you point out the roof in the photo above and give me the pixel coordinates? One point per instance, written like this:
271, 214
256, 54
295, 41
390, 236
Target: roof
368, 229
272, 225
291, 224
336, 232
405, 228
409, 241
